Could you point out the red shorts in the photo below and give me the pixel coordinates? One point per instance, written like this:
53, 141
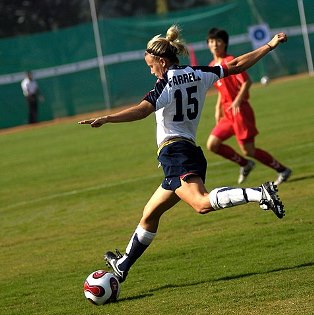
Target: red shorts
242, 126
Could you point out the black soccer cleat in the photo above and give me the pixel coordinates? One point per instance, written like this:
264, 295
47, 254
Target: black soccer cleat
111, 260
270, 200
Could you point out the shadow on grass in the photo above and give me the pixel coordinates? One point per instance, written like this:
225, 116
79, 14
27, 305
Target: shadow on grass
136, 297
299, 178
169, 286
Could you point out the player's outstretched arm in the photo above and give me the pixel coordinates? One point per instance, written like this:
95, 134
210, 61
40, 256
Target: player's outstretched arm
246, 61
137, 112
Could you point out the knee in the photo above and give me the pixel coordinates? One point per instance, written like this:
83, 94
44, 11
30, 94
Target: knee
213, 146
248, 152
203, 210
150, 216
202, 206
248, 149
147, 216
245, 152
149, 223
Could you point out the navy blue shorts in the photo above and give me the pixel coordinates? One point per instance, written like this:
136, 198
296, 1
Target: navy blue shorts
181, 160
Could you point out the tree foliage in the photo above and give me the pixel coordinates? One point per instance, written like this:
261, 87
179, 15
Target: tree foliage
19, 17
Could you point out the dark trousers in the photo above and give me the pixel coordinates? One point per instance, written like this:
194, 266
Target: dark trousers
32, 108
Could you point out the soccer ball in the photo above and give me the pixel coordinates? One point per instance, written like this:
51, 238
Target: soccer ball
264, 80
101, 287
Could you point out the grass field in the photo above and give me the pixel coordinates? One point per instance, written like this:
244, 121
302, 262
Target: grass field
70, 192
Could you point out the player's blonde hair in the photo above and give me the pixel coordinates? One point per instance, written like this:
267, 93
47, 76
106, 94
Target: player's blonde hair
169, 47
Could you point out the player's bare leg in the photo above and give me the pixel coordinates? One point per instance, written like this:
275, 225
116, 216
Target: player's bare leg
161, 201
193, 192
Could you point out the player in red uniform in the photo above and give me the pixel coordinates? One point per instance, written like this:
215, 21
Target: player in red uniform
235, 116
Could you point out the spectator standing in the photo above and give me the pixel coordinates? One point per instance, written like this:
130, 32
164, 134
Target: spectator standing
31, 93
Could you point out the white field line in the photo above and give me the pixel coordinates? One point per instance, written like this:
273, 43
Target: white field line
87, 189
77, 192
211, 170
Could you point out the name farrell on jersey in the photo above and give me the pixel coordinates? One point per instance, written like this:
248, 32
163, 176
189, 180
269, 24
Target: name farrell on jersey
183, 78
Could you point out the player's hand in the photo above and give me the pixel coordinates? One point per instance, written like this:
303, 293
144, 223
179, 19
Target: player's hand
94, 122
277, 39
235, 107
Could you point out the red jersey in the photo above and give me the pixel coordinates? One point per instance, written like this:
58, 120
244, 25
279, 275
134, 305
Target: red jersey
242, 125
229, 87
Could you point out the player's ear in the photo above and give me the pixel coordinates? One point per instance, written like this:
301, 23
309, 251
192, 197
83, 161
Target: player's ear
163, 62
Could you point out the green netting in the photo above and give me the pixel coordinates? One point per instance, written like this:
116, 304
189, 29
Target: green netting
81, 91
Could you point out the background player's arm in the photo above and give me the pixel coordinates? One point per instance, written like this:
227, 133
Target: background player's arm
243, 62
137, 112
218, 108
243, 92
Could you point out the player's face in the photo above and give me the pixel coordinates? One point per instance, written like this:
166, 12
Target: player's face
157, 66
217, 47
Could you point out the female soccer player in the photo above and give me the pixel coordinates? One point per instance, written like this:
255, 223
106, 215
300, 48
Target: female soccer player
234, 116
177, 100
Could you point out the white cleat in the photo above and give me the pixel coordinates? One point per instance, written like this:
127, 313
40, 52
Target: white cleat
283, 176
245, 171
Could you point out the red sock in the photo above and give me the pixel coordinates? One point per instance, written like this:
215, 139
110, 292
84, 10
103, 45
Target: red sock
268, 160
228, 153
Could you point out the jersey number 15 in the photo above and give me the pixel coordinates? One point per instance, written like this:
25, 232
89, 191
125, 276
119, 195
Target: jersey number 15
191, 111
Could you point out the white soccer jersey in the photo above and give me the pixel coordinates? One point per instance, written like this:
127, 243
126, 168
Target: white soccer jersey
29, 87
179, 99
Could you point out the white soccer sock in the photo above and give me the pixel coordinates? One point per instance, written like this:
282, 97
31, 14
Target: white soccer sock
254, 194
138, 243
144, 237
226, 197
